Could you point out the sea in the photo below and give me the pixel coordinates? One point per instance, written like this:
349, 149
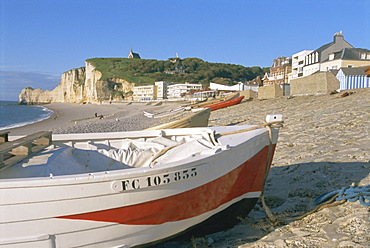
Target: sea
13, 115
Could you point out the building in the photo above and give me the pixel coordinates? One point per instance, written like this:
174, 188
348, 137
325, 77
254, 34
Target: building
162, 89
175, 59
145, 93
298, 64
177, 91
334, 55
347, 57
133, 55
280, 72
237, 87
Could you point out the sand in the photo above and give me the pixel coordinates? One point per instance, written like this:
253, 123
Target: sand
80, 118
323, 146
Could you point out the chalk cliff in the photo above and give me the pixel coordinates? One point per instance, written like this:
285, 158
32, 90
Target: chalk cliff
79, 86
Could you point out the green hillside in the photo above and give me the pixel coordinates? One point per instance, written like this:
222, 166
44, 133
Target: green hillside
148, 71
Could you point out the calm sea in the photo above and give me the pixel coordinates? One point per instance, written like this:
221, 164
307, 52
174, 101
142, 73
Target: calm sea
13, 115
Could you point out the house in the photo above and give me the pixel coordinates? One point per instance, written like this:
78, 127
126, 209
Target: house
331, 56
279, 72
314, 59
352, 78
347, 57
179, 69
133, 55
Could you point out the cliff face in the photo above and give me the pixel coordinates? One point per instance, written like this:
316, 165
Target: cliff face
77, 86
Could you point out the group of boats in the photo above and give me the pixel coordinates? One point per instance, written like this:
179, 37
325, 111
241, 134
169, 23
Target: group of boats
201, 112
128, 189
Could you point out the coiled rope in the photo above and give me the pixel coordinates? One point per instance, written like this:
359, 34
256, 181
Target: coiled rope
352, 194
331, 199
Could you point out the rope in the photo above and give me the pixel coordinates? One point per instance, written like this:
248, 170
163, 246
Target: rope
352, 194
331, 199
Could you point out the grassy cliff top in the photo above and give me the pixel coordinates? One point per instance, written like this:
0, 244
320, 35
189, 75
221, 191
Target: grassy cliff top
148, 71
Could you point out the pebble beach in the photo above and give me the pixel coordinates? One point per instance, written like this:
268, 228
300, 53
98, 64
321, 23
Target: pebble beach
323, 146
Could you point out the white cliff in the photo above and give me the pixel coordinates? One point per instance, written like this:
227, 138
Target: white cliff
78, 86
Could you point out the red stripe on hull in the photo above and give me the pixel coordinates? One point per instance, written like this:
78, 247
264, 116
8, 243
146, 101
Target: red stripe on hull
248, 177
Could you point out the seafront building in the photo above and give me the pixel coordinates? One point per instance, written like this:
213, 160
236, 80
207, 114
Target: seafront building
298, 63
330, 57
162, 89
177, 91
237, 87
145, 93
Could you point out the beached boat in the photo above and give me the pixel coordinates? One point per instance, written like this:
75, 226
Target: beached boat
198, 119
127, 189
210, 102
164, 114
220, 105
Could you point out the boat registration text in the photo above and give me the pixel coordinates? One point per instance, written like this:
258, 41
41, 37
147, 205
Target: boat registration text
155, 180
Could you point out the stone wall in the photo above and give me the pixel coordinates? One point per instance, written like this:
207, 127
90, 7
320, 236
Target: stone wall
270, 91
317, 83
248, 94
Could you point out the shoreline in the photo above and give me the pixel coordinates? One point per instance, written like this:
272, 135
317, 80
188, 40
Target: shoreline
75, 118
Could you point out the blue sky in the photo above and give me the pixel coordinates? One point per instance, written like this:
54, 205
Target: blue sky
50, 37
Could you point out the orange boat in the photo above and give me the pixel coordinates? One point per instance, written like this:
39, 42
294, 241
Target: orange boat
223, 104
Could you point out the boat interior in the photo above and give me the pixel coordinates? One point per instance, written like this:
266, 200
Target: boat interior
37, 155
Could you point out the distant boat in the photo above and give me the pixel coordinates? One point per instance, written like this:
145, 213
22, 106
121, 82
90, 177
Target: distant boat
126, 189
210, 102
198, 119
164, 114
220, 105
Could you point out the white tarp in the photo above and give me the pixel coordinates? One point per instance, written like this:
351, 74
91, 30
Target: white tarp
132, 153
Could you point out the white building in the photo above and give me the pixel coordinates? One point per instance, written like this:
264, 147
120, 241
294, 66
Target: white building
145, 92
162, 89
176, 91
298, 63
237, 87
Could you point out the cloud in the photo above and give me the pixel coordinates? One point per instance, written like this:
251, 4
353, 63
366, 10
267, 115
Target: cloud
12, 83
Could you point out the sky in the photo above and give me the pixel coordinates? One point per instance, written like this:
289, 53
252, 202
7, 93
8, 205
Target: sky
41, 39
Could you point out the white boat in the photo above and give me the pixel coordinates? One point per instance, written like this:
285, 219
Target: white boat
198, 119
129, 189
164, 114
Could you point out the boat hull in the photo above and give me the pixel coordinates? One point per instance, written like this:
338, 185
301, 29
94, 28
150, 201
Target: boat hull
222, 104
198, 119
136, 206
